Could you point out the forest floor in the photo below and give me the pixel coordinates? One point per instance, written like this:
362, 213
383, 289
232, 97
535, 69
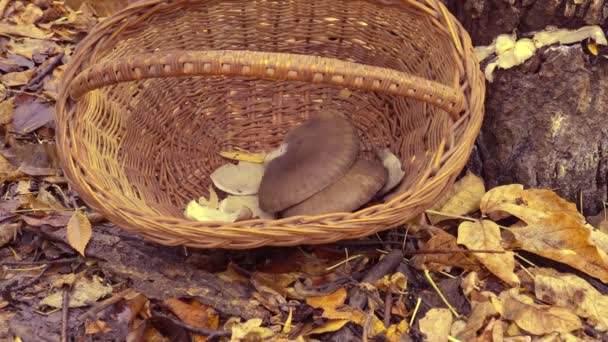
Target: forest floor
501, 264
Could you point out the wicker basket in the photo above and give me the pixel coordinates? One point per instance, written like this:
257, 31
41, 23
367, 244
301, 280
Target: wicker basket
155, 91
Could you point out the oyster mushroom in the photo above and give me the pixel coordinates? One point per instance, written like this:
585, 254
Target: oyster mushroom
318, 153
357, 187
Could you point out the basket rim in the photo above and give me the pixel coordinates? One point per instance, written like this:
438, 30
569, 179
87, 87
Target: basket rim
292, 230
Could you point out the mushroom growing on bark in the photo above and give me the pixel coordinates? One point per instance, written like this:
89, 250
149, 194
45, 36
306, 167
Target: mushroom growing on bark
357, 187
318, 153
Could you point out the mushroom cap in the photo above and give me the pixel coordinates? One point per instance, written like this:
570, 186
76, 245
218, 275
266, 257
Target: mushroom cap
357, 187
319, 152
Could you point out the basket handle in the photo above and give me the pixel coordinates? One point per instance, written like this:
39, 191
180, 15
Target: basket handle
268, 65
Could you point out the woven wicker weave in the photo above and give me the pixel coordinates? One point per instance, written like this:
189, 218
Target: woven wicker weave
155, 91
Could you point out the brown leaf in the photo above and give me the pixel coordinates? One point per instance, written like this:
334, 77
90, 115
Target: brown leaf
194, 314
30, 31
571, 292
15, 63
79, 231
30, 116
15, 79
437, 262
436, 325
34, 159
485, 235
535, 318
57, 219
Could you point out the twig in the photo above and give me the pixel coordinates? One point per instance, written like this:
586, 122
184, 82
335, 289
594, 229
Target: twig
31, 263
42, 74
31, 281
104, 304
388, 306
358, 298
3, 4
65, 313
210, 333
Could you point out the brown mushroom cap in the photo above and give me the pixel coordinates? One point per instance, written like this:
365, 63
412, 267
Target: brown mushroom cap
319, 152
359, 185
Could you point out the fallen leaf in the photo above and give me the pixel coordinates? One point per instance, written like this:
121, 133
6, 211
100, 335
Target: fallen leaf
6, 111
571, 292
102, 8
79, 231
30, 31
554, 228
250, 330
439, 261
436, 325
95, 327
194, 314
30, 116
485, 235
27, 48
507, 200
233, 204
485, 307
57, 219
397, 332
241, 179
395, 171
29, 15
535, 318
464, 198
329, 326
396, 282
197, 212
34, 159
244, 156
85, 292
19, 78
8, 172
334, 308
8, 232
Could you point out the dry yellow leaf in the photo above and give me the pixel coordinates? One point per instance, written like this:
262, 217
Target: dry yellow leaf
571, 292
397, 332
485, 235
535, 318
95, 327
18, 78
464, 198
244, 156
334, 308
243, 178
252, 329
561, 237
561, 337
7, 109
85, 291
554, 229
396, 282
30, 31
79, 231
480, 315
8, 172
436, 325
507, 200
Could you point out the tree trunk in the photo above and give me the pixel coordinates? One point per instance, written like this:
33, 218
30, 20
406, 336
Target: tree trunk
545, 121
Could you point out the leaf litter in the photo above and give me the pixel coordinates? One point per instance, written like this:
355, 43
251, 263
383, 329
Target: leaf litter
456, 273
